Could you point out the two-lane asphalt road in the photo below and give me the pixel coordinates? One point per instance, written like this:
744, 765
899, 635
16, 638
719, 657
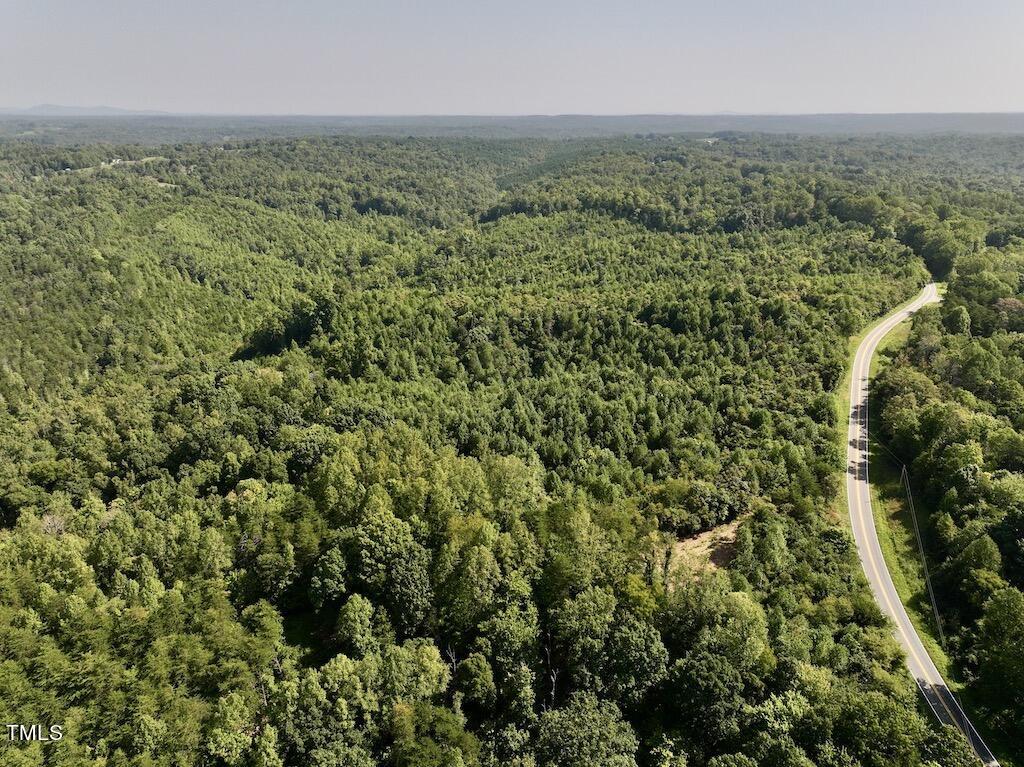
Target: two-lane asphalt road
858, 492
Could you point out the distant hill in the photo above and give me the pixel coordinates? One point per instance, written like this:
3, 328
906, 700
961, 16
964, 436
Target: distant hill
63, 110
71, 125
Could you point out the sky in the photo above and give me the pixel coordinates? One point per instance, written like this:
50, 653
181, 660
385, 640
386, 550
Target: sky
395, 57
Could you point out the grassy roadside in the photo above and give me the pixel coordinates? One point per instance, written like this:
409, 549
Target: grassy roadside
894, 526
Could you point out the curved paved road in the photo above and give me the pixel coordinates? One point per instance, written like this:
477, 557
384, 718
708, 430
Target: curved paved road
929, 681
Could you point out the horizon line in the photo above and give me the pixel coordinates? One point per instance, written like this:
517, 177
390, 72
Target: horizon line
35, 111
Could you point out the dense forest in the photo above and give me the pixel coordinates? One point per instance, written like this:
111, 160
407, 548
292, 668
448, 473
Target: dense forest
336, 451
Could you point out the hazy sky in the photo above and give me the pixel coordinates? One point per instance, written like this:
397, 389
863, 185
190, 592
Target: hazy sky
515, 56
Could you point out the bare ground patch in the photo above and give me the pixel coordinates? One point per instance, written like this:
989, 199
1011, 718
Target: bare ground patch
710, 550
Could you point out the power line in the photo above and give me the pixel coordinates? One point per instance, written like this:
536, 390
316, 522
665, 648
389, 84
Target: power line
905, 480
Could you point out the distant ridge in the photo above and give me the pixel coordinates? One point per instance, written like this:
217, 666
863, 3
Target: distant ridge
63, 110
69, 125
